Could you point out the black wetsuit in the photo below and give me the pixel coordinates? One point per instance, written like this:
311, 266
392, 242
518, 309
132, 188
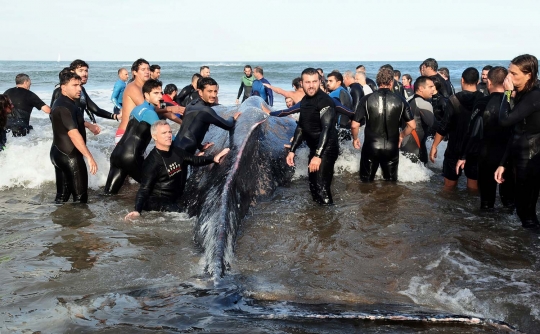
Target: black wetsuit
371, 84
397, 87
197, 119
455, 125
24, 101
452, 89
409, 92
357, 93
186, 95
487, 137
384, 112
423, 115
446, 89
316, 126
482, 88
3, 138
161, 183
85, 104
69, 165
523, 150
440, 108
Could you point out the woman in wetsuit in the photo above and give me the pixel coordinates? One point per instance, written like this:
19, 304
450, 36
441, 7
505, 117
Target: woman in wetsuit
524, 145
5, 107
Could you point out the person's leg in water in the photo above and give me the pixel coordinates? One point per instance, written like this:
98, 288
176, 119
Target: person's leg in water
389, 164
369, 163
324, 178
313, 181
449, 173
115, 180
487, 184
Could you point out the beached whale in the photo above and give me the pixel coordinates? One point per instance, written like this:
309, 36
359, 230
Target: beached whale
220, 195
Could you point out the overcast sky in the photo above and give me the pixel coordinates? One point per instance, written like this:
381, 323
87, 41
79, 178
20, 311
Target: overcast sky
281, 30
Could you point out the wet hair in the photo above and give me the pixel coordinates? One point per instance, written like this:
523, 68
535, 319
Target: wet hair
203, 67
320, 69
21, 78
247, 66
528, 64
430, 63
153, 68
487, 68
445, 71
258, 69
297, 83
66, 75
408, 76
397, 73
336, 75
310, 71
137, 64
5, 102
470, 76
170, 88
153, 128
196, 75
437, 82
121, 69
203, 82
387, 66
496, 75
150, 85
385, 77
78, 63
421, 81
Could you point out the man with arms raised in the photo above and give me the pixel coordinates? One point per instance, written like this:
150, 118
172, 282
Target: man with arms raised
384, 112
24, 101
69, 142
162, 184
316, 126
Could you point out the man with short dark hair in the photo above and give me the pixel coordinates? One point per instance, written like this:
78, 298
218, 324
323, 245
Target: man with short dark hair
189, 93
445, 73
155, 72
128, 155
334, 82
369, 82
246, 84
487, 139
258, 88
24, 101
429, 68
482, 85
422, 110
316, 126
162, 184
204, 71
455, 124
69, 142
384, 112
296, 95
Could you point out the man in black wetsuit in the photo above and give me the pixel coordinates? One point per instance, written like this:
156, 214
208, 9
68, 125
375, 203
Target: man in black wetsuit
482, 85
455, 124
355, 89
369, 82
69, 143
384, 111
247, 83
24, 102
397, 87
84, 102
316, 126
445, 73
188, 93
429, 68
422, 110
155, 72
490, 139
162, 184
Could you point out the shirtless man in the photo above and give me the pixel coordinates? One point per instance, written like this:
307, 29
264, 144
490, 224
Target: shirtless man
133, 97
295, 95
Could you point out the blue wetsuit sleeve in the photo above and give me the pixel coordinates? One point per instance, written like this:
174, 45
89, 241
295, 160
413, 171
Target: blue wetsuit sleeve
115, 94
327, 122
297, 139
285, 112
150, 116
270, 95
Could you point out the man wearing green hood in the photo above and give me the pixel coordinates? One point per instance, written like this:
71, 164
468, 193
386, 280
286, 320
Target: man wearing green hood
247, 82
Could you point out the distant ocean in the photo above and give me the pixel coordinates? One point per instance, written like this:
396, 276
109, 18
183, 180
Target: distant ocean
103, 74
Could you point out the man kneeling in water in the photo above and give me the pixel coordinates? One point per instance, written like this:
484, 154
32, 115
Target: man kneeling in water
162, 183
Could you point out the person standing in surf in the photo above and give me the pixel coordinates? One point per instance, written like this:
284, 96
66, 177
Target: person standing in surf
316, 126
246, 84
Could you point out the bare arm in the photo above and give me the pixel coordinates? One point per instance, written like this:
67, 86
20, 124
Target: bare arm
46, 109
280, 91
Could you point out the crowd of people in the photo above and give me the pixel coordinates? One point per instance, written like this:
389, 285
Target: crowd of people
492, 127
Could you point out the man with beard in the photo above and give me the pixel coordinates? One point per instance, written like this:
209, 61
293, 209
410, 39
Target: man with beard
246, 84
316, 126
482, 85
